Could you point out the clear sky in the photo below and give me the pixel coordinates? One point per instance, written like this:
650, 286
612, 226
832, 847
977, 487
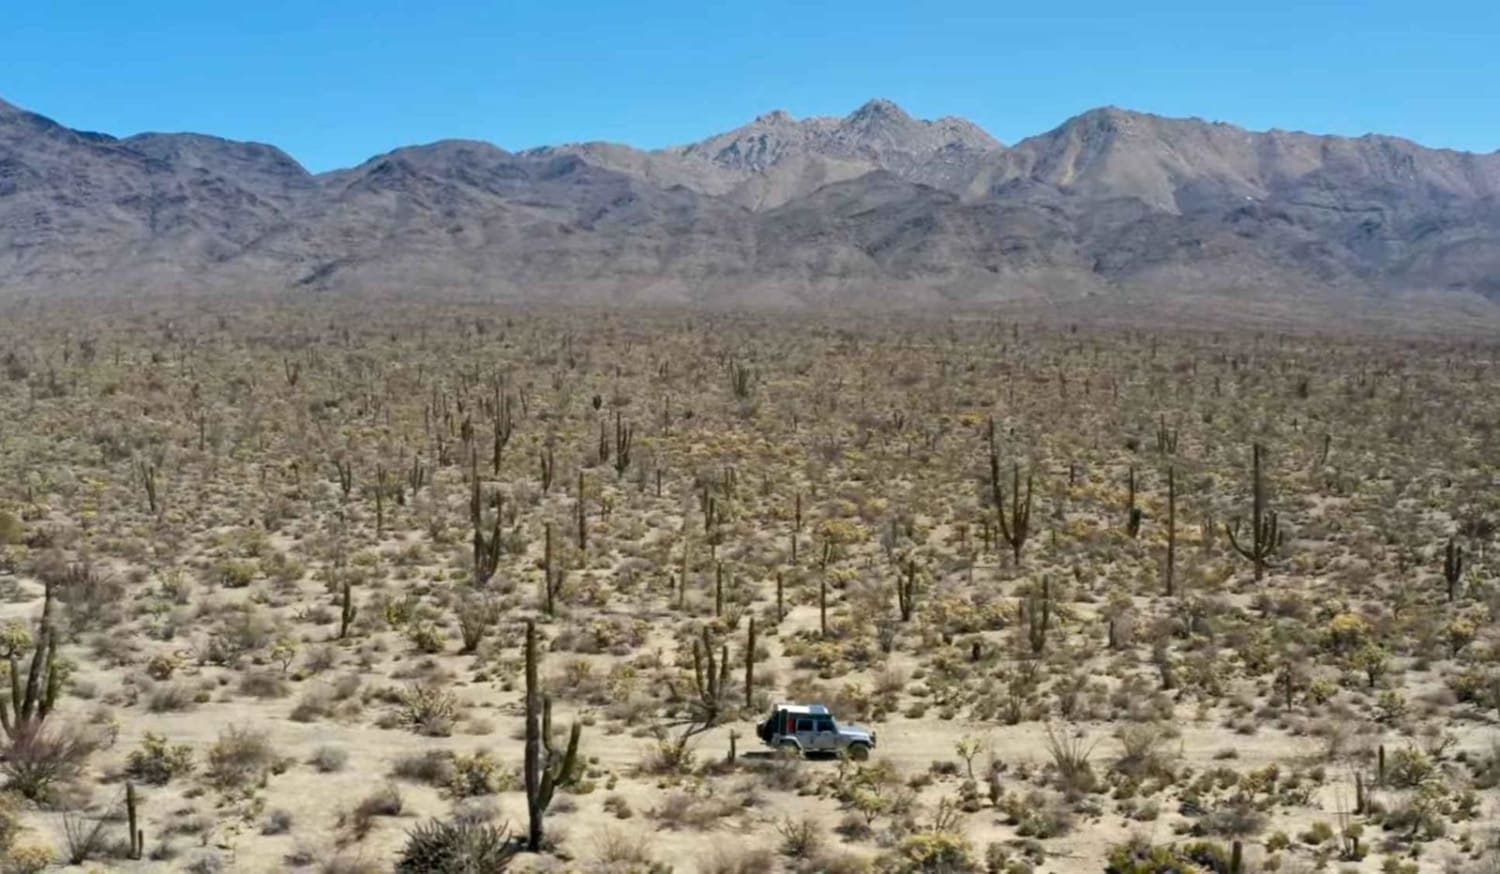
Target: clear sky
334, 82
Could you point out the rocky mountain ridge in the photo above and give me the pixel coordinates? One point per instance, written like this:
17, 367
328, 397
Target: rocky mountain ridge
876, 206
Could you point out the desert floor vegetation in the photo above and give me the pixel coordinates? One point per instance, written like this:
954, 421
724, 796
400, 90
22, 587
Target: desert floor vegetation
340, 586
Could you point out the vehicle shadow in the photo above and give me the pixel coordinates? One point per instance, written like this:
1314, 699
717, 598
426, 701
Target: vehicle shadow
772, 755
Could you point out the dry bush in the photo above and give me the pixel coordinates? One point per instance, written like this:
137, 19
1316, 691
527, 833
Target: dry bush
37, 760
240, 757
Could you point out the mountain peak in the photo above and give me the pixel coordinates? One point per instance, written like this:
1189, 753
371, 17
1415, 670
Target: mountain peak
879, 108
775, 117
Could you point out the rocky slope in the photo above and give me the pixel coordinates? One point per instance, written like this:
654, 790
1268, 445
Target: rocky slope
877, 207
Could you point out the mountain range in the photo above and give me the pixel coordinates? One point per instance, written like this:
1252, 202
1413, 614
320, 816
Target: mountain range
874, 207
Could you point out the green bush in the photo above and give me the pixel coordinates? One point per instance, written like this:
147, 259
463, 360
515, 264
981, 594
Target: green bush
157, 761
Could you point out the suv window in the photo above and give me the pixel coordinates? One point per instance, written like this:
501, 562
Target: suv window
804, 725
824, 725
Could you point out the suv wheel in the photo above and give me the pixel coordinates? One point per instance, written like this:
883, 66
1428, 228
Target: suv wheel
859, 752
790, 749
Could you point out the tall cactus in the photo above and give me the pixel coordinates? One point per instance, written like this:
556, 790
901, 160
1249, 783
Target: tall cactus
1453, 567
1265, 535
1036, 611
552, 574
906, 590
750, 665
504, 426
486, 546
1171, 568
137, 834
710, 678
347, 610
582, 513
33, 692
545, 770
1015, 522
624, 435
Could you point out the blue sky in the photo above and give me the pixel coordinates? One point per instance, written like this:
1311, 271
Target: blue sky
334, 82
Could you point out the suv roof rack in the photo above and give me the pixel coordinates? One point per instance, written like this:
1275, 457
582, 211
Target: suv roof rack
811, 709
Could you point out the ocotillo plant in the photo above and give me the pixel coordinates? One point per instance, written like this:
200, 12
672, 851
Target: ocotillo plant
1453, 567
486, 546
545, 770
1265, 535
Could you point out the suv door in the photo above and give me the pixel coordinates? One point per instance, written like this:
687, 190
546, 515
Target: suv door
826, 738
806, 735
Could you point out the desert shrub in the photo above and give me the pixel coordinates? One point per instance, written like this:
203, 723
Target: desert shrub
10, 821
426, 637
36, 761
278, 822
162, 666
236, 574
429, 709
433, 767
1409, 767
800, 838
385, 801
479, 774
476, 616
347, 863
28, 859
619, 850
263, 684
1140, 856
239, 757
1143, 751
11, 529
329, 759
930, 852
456, 847
170, 698
1234, 819
1070, 760
316, 703
157, 761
